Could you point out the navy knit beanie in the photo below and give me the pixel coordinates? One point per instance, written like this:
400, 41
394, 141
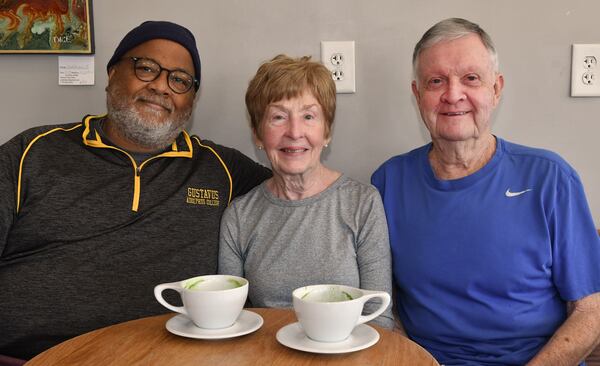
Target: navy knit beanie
150, 30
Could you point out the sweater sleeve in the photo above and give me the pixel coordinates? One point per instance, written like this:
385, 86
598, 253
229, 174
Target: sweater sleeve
373, 254
231, 258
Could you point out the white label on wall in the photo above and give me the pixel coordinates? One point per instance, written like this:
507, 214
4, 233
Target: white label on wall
75, 70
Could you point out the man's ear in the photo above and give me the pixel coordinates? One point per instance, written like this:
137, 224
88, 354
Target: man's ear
498, 87
415, 90
111, 72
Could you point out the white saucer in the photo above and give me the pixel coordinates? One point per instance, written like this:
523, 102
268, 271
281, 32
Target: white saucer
246, 323
292, 335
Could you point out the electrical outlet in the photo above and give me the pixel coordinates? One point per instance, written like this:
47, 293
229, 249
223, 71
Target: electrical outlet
338, 57
585, 71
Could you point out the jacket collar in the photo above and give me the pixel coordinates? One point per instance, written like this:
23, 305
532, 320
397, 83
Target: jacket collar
181, 147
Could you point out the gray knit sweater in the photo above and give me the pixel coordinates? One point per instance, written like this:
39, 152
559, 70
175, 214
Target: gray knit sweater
338, 236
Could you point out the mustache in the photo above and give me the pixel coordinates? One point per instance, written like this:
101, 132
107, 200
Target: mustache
155, 99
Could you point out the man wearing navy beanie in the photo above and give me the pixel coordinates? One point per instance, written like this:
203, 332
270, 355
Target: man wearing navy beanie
159, 29
94, 214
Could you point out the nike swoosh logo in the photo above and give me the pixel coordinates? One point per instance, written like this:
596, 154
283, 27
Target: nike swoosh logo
508, 193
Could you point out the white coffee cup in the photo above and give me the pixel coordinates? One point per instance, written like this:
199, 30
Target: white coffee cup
329, 313
211, 302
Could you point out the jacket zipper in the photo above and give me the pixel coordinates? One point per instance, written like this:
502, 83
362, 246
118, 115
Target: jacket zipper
137, 180
136, 187
136, 169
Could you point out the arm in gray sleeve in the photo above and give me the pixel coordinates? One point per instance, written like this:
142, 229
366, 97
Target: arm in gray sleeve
373, 253
231, 258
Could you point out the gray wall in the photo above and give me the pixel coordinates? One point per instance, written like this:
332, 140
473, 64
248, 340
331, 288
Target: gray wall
234, 36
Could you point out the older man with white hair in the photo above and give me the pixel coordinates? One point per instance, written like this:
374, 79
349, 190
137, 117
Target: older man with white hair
495, 253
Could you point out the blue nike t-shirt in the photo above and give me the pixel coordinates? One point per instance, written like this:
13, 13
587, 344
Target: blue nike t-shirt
484, 264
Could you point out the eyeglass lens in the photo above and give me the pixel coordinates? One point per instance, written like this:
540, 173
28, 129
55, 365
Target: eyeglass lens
148, 70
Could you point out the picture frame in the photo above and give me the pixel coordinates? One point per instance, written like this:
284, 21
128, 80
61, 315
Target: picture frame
46, 27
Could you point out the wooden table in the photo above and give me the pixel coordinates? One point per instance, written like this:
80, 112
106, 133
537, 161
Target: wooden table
147, 342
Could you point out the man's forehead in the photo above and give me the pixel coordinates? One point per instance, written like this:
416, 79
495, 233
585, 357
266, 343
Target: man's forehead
171, 53
466, 52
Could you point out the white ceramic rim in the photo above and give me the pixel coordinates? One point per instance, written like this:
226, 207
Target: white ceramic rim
246, 282
307, 288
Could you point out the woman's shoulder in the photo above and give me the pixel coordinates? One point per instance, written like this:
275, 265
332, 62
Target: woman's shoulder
248, 200
354, 187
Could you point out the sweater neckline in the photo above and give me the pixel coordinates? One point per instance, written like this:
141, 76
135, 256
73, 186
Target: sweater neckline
305, 201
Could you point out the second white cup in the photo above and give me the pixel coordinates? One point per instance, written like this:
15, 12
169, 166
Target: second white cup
211, 302
329, 313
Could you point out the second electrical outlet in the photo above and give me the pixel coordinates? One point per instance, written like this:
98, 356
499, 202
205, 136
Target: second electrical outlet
338, 57
585, 70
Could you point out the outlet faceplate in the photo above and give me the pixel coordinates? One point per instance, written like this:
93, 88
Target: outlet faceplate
338, 57
585, 70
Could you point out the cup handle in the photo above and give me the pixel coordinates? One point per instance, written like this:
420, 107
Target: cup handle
385, 298
173, 286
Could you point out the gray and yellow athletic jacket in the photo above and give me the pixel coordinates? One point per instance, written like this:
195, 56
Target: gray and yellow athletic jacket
86, 232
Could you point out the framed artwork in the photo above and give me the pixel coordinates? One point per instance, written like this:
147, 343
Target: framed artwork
46, 26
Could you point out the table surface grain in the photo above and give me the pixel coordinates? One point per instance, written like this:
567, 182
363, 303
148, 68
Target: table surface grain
146, 341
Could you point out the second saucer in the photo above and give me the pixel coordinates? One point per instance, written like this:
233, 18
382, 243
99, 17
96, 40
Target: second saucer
293, 336
247, 322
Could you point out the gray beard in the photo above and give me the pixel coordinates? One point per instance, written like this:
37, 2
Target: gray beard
153, 134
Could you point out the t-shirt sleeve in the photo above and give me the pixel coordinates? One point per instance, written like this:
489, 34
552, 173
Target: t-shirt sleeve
575, 243
231, 259
373, 254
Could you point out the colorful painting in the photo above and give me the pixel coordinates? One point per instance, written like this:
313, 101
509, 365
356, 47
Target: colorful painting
46, 26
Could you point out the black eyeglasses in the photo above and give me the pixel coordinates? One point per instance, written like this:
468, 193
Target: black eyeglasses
147, 70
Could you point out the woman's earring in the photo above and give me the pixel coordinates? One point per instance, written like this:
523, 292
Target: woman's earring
259, 147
